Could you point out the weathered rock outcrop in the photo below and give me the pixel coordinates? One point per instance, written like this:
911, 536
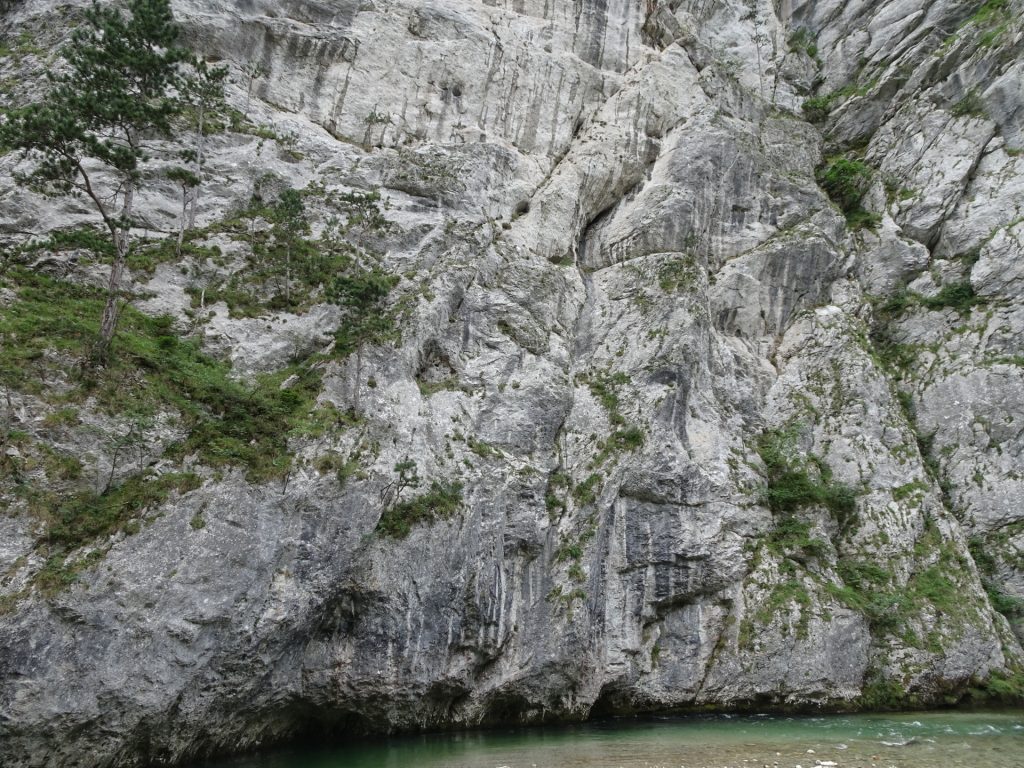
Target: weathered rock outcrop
628, 312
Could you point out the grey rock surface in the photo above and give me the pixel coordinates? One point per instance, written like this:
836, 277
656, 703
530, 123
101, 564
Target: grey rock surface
618, 274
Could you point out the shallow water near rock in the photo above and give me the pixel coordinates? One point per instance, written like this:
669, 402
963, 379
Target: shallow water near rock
912, 740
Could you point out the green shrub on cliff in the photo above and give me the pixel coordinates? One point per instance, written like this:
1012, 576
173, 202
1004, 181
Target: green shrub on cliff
439, 503
846, 181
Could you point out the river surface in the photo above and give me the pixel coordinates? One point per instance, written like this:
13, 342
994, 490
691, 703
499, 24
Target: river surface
914, 740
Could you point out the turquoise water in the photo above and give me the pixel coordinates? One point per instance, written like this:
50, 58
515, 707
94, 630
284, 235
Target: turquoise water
916, 740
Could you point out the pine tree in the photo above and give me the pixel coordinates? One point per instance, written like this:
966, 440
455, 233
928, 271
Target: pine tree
124, 82
363, 293
289, 225
205, 95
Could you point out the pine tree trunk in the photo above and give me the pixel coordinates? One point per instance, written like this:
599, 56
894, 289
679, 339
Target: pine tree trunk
288, 275
112, 310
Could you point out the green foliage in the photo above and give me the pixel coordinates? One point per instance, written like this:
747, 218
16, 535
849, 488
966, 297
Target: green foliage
817, 108
363, 292
362, 211
859, 218
288, 271
899, 357
795, 483
482, 449
934, 585
586, 492
791, 538
907, 490
803, 40
971, 105
238, 425
606, 389
883, 695
121, 80
990, 10
428, 388
67, 416
846, 181
204, 105
47, 332
959, 296
569, 551
89, 516
892, 354
678, 274
82, 238
22, 46
183, 176
1004, 687
982, 552
889, 608
867, 589
440, 502
144, 256
994, 18
781, 596
47, 316
627, 439
896, 304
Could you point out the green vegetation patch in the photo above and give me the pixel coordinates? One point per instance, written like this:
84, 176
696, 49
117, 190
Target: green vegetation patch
47, 334
971, 105
890, 608
143, 258
286, 270
883, 694
867, 589
817, 108
791, 538
984, 551
994, 18
959, 296
440, 502
803, 40
606, 389
796, 482
846, 181
85, 517
679, 274
1002, 687
90, 516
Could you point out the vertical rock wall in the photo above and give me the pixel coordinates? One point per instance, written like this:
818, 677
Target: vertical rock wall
625, 289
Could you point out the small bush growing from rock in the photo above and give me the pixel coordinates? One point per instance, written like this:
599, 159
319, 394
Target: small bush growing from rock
959, 296
846, 181
440, 502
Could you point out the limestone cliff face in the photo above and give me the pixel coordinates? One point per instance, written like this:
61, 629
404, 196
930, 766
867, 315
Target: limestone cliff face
623, 289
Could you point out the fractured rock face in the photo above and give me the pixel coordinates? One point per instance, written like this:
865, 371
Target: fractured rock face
711, 451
